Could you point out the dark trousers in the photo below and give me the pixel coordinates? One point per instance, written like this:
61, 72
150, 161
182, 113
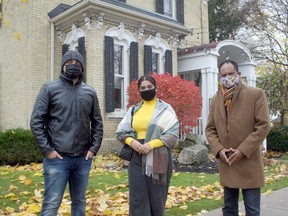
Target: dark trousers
146, 198
251, 201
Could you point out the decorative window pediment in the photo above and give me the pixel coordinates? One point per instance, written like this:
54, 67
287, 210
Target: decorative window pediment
154, 57
73, 37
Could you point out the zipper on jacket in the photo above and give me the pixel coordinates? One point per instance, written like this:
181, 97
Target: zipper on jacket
75, 120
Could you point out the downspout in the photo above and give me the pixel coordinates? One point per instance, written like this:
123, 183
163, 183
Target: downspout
52, 52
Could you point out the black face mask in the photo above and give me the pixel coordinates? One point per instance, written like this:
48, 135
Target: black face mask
73, 71
148, 95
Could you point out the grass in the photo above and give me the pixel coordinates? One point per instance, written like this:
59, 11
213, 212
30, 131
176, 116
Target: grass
190, 193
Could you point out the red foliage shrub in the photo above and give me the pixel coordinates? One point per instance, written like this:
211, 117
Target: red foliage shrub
184, 96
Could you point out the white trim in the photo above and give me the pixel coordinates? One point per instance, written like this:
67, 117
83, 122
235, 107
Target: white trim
120, 34
235, 44
123, 38
113, 10
158, 46
174, 9
73, 36
207, 62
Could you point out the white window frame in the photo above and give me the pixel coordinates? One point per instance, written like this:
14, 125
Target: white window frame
125, 75
158, 46
173, 2
123, 38
73, 36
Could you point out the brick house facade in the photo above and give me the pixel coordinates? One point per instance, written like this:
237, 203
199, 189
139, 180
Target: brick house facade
120, 40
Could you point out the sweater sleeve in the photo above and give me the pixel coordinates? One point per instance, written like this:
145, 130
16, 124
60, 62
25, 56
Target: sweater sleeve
156, 143
129, 140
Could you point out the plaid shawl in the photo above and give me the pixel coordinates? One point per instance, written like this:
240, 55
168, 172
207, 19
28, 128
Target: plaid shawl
163, 125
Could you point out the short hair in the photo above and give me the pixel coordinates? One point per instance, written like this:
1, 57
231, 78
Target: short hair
227, 61
146, 77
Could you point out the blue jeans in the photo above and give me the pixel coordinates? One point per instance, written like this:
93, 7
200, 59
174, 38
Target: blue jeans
57, 173
251, 201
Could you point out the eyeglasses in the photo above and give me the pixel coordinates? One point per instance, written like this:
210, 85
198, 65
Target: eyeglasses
148, 87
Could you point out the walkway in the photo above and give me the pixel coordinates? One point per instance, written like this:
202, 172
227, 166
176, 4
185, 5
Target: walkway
273, 204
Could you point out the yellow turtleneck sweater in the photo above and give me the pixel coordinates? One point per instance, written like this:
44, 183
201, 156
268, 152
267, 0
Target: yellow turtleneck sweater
140, 123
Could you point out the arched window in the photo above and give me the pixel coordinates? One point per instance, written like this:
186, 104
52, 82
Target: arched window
119, 43
157, 55
72, 38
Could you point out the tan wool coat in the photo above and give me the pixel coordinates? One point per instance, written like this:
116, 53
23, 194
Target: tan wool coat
249, 126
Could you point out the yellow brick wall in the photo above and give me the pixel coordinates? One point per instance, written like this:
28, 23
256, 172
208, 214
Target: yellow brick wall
196, 18
25, 62
149, 5
14, 64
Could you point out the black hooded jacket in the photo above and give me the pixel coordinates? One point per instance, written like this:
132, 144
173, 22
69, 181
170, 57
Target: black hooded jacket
67, 118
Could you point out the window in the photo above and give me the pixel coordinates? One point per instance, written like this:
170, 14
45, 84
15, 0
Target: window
155, 62
168, 8
121, 67
119, 77
157, 55
171, 8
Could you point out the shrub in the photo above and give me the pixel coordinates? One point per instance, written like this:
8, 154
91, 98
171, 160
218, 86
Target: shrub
277, 139
183, 95
18, 146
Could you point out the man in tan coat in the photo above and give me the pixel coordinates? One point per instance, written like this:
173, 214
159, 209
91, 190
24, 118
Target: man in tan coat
238, 122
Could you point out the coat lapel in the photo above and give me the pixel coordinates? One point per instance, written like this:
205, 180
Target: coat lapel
236, 93
221, 105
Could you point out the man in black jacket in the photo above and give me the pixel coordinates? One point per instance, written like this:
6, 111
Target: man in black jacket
67, 124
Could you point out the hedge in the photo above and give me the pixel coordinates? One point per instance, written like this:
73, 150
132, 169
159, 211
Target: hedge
18, 146
277, 139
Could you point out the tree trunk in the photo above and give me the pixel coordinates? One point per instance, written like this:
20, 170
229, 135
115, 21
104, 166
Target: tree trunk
282, 117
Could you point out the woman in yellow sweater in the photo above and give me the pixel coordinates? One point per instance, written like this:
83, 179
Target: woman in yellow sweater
151, 129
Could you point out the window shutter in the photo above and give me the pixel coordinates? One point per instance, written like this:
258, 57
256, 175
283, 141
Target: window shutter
64, 48
133, 61
81, 49
147, 59
109, 74
180, 11
160, 6
168, 61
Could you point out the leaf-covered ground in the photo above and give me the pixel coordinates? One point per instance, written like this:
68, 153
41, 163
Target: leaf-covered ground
113, 200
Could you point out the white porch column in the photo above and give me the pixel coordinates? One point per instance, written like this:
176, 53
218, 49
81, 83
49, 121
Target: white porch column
248, 72
251, 81
205, 100
209, 88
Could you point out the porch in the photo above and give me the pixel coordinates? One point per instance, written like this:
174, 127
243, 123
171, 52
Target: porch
200, 64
